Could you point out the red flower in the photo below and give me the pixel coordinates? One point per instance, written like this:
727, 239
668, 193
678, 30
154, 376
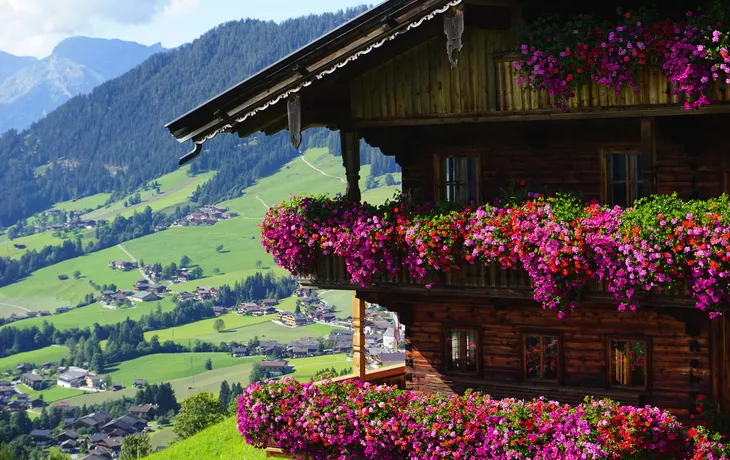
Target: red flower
627, 15
523, 183
569, 77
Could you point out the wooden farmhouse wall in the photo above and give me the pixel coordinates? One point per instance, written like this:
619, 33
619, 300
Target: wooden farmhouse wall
692, 159
682, 361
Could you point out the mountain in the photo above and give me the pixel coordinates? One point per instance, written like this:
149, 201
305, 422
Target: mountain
31, 88
10, 64
113, 139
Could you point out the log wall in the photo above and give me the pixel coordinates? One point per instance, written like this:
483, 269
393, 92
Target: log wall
681, 363
691, 157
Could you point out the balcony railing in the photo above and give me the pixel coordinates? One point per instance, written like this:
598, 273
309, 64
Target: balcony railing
330, 272
653, 91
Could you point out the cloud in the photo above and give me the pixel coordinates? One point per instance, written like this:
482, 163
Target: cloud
34, 26
180, 7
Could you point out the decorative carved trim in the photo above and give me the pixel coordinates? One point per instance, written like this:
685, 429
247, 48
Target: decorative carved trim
294, 110
454, 30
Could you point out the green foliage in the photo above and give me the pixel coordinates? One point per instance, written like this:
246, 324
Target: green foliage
258, 374
208, 365
219, 325
197, 413
135, 446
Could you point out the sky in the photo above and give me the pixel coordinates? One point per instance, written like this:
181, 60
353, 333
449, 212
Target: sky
34, 27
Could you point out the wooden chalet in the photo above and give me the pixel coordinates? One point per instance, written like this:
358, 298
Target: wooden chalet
431, 82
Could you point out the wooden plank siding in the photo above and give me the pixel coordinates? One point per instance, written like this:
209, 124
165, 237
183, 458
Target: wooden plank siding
420, 81
567, 156
501, 325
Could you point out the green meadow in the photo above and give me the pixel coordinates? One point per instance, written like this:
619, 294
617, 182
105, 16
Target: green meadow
53, 353
175, 189
82, 204
228, 278
342, 300
43, 290
220, 442
53, 394
165, 367
194, 330
96, 313
38, 241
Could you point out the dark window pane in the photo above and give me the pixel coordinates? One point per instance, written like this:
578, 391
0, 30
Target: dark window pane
616, 167
459, 179
618, 194
628, 363
470, 354
550, 357
532, 356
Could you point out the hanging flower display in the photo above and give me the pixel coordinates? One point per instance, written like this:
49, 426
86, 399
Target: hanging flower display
559, 57
661, 244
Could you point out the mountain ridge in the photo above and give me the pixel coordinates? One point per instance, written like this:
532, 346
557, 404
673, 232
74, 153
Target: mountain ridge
30, 88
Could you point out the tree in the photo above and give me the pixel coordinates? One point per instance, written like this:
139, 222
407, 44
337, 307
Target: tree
219, 248
77, 274
108, 381
258, 374
196, 273
219, 325
298, 309
259, 264
184, 261
224, 395
197, 413
208, 365
216, 271
389, 181
136, 446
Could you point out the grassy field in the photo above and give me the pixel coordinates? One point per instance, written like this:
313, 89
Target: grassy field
162, 435
175, 189
37, 242
42, 290
264, 331
82, 204
340, 299
229, 278
53, 353
96, 313
166, 367
304, 370
239, 237
219, 442
53, 394
194, 330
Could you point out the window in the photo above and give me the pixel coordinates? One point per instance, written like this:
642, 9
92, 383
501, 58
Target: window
458, 179
628, 362
542, 357
624, 178
462, 351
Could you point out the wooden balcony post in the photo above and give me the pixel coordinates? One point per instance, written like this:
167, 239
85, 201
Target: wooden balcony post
648, 154
358, 337
350, 142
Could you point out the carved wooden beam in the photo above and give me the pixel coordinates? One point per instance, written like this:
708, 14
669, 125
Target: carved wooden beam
350, 142
454, 30
294, 111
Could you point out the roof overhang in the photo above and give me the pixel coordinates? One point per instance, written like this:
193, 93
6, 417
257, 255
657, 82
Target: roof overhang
290, 75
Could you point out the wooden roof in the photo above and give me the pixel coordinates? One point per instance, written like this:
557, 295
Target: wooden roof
300, 69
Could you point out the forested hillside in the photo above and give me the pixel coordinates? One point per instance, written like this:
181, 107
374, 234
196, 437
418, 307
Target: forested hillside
113, 139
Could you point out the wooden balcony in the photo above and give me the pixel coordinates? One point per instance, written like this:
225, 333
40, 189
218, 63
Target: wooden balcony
330, 272
654, 91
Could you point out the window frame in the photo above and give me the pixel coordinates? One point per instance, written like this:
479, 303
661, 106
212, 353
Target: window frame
647, 361
479, 358
523, 355
630, 184
439, 158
